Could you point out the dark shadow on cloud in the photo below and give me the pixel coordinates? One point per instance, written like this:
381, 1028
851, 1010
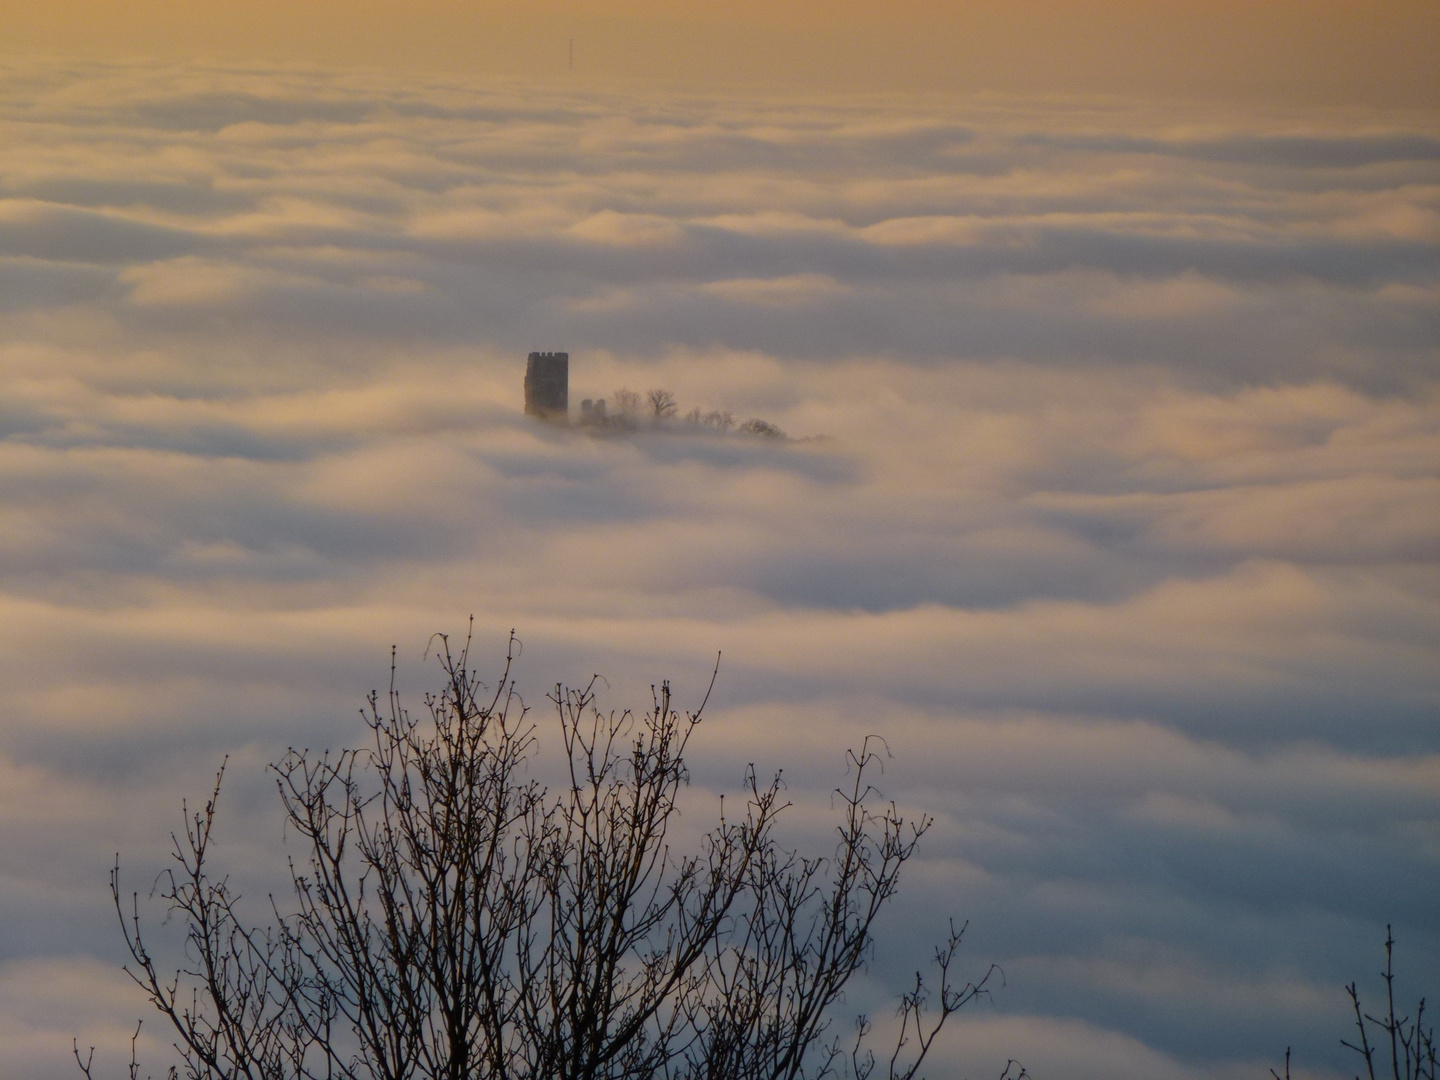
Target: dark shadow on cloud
21, 425
261, 535
1348, 709
664, 448
1293, 151
919, 151
822, 465
197, 197
30, 284
904, 576
549, 500
309, 310
1276, 702
1248, 865
488, 111
671, 143
607, 490
192, 440
1357, 263
65, 234
212, 111
712, 253
1038, 248
1206, 892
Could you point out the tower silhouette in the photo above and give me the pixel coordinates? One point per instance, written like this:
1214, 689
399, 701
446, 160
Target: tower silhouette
547, 385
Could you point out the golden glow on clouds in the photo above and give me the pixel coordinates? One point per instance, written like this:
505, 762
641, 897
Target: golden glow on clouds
1330, 51
1125, 541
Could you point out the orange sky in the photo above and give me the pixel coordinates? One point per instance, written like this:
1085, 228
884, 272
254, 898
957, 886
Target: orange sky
1381, 52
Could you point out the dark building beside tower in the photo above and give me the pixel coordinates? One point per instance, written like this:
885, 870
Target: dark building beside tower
547, 385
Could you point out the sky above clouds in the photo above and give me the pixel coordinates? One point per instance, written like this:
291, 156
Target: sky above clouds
1119, 525
1330, 52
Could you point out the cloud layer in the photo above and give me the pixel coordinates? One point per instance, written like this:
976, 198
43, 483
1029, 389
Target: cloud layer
1123, 534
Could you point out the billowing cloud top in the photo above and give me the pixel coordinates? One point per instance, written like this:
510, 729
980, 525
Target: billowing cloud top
1124, 534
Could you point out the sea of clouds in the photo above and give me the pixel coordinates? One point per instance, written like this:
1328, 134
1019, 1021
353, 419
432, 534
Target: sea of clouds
1123, 533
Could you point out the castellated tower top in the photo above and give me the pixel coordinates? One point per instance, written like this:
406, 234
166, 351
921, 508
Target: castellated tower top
547, 385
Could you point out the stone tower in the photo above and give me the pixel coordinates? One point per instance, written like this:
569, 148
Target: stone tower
547, 385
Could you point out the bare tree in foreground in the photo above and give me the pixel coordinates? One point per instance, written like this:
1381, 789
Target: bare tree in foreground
453, 918
1390, 1045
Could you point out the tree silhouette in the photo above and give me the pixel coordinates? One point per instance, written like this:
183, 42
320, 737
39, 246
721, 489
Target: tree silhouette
454, 918
1391, 1045
763, 428
627, 404
662, 403
720, 420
